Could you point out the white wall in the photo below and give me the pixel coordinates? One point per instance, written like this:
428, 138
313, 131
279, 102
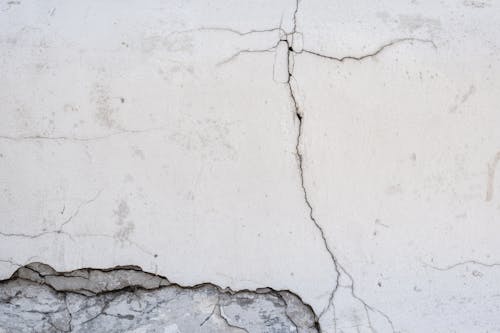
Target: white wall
164, 134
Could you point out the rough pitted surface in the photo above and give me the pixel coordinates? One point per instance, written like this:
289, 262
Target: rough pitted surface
125, 299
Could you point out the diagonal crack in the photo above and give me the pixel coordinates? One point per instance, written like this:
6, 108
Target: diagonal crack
77, 210
211, 313
220, 314
240, 52
58, 230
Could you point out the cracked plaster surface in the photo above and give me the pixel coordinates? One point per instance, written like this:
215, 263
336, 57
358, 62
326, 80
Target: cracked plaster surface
340, 151
126, 299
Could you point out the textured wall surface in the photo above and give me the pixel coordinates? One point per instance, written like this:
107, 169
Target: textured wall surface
126, 299
341, 153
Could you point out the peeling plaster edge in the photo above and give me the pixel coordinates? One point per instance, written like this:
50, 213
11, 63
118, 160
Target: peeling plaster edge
168, 284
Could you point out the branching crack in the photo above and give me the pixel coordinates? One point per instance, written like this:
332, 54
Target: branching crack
291, 35
288, 38
299, 114
58, 230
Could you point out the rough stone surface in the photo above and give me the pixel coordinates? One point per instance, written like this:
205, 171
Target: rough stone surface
126, 299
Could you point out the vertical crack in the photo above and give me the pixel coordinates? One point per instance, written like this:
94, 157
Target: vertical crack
300, 158
70, 314
340, 271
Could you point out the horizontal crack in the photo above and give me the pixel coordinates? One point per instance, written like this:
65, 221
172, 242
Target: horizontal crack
462, 263
230, 30
39, 137
372, 54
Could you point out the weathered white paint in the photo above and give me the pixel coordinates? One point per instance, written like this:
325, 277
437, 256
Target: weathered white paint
163, 134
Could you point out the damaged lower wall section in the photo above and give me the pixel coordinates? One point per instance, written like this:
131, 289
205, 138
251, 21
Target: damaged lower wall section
126, 299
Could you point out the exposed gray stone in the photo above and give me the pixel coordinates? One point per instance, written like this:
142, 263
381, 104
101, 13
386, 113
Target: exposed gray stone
125, 299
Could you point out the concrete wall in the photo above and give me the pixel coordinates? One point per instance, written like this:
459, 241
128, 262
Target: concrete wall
344, 151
